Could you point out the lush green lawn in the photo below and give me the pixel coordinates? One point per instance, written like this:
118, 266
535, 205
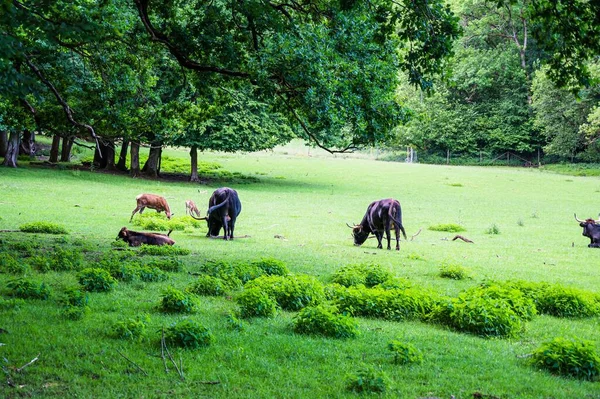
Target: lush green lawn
307, 199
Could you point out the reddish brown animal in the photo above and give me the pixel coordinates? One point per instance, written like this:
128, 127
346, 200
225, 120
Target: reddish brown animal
151, 201
137, 238
191, 208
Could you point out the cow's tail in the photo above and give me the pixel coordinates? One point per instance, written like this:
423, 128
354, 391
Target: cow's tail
218, 206
399, 222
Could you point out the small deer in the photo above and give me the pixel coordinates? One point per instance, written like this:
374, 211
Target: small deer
191, 208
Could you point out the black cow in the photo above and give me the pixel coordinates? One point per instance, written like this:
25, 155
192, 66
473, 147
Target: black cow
379, 218
224, 207
591, 229
136, 238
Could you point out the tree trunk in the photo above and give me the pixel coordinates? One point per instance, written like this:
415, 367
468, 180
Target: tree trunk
122, 163
65, 153
134, 166
27, 146
54, 149
152, 166
110, 155
194, 160
3, 142
12, 150
100, 155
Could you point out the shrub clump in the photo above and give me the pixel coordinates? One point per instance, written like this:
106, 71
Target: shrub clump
367, 274
325, 320
392, 304
368, 380
291, 292
235, 274
43, 227
162, 250
447, 227
568, 302
75, 302
132, 328
170, 264
405, 353
96, 280
176, 301
59, 260
271, 266
254, 302
568, 357
12, 265
208, 286
28, 289
188, 334
454, 272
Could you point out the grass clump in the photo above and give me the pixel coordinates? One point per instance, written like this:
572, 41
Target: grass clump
568, 357
11, 264
131, 329
188, 334
154, 221
493, 229
75, 303
43, 227
447, 227
234, 274
59, 260
169, 264
562, 301
325, 320
28, 289
254, 302
96, 280
162, 250
291, 292
176, 301
367, 274
271, 266
405, 353
454, 272
367, 380
208, 285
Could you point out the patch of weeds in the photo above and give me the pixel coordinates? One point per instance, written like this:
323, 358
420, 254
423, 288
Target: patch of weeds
176, 301
395, 283
271, 266
233, 323
568, 357
120, 244
11, 304
291, 292
405, 353
11, 264
413, 256
520, 222
208, 286
188, 334
170, 264
367, 380
234, 274
562, 301
325, 320
254, 302
155, 221
162, 250
151, 274
43, 227
60, 259
447, 227
455, 184
367, 274
132, 328
28, 289
493, 229
96, 280
454, 272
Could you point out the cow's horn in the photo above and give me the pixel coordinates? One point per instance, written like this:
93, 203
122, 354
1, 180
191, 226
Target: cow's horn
580, 221
202, 218
349, 226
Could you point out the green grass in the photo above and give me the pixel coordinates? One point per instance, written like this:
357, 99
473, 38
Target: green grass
307, 198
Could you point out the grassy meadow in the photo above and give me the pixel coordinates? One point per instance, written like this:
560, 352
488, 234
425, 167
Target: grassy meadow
295, 206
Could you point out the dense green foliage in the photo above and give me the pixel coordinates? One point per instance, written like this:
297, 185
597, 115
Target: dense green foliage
188, 334
325, 320
405, 353
570, 357
43, 227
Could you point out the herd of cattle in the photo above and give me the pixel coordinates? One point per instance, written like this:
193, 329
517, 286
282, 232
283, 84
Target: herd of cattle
224, 206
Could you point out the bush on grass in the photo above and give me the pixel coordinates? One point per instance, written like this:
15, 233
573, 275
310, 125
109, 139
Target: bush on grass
568, 357
27, 289
447, 227
59, 260
367, 380
569, 302
162, 250
271, 266
188, 334
96, 280
405, 353
43, 227
454, 272
291, 292
176, 301
131, 328
11, 264
325, 320
208, 286
367, 274
254, 302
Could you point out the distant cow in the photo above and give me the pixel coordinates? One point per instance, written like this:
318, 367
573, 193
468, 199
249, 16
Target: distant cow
380, 217
151, 201
224, 208
191, 208
136, 238
591, 229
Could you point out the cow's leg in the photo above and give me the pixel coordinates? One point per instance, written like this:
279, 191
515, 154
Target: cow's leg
231, 227
225, 227
379, 236
137, 208
387, 235
397, 231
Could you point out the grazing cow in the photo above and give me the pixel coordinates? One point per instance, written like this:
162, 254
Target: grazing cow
224, 208
151, 201
191, 208
591, 229
380, 216
136, 238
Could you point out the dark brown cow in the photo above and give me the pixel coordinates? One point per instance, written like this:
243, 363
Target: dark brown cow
224, 206
379, 218
591, 230
136, 238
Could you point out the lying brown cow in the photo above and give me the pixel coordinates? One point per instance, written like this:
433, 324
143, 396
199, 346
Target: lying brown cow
135, 238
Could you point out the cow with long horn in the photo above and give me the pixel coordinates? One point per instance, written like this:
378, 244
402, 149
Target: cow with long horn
380, 217
591, 229
224, 207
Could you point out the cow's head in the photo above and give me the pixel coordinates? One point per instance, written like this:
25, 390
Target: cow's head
359, 235
587, 224
122, 234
